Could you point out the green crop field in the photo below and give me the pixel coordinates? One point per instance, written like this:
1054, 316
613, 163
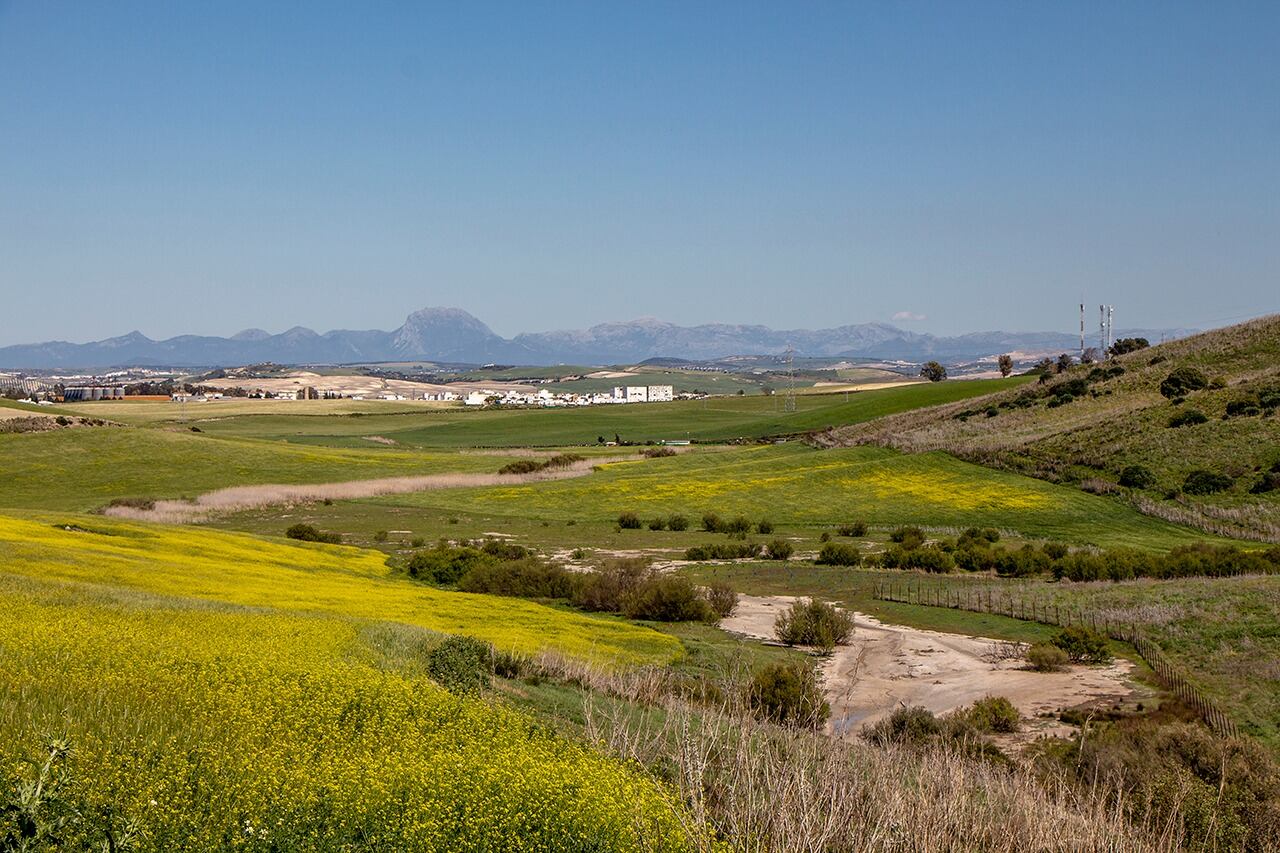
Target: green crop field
83, 468
794, 484
712, 419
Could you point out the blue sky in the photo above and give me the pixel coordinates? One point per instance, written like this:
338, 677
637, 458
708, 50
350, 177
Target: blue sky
206, 167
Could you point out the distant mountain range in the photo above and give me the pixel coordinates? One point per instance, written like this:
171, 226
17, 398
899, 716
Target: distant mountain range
453, 335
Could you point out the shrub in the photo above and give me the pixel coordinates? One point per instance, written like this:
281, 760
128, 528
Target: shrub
1187, 417
311, 533
809, 622
903, 534
444, 564
657, 524
1046, 657
933, 371
1244, 406
461, 665
504, 550
825, 537
780, 549
527, 578
712, 523
856, 529
985, 536
1182, 381
1055, 550
993, 715
1083, 645
380, 536
1022, 563
1137, 477
764, 527
658, 452
629, 521
839, 554
521, 466
723, 551
678, 522
931, 559
607, 589
418, 542
913, 725
739, 526
1127, 345
722, 598
1201, 482
788, 694
668, 598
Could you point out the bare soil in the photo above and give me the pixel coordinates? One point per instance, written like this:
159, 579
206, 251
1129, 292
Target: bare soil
885, 667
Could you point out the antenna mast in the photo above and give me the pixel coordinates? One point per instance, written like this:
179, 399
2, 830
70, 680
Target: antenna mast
1082, 331
789, 405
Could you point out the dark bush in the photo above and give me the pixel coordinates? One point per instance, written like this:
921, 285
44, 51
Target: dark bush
503, 550
712, 523
521, 466
839, 554
461, 665
678, 522
927, 559
1187, 417
1046, 657
722, 598
1083, 645
789, 694
779, 549
1244, 407
1123, 346
657, 524
607, 589
1024, 562
904, 534
809, 622
1183, 381
444, 565
1268, 482
311, 533
668, 598
986, 535
629, 521
1055, 550
1137, 477
723, 551
658, 452
1201, 482
527, 578
764, 527
913, 725
856, 529
739, 526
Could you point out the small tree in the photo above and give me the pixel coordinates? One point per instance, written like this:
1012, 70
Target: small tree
1090, 356
809, 622
788, 694
1083, 645
933, 371
1127, 345
1064, 363
1006, 364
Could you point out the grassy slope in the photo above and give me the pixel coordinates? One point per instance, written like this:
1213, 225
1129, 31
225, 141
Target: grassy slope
341, 581
83, 468
714, 419
1127, 423
794, 484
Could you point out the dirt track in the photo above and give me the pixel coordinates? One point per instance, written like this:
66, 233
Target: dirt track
888, 666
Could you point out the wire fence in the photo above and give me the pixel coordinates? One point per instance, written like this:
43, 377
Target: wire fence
1019, 605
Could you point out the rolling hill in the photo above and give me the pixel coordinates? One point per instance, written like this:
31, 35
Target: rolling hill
1088, 425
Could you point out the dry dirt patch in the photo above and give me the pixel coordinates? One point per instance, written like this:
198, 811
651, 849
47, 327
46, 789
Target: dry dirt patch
888, 666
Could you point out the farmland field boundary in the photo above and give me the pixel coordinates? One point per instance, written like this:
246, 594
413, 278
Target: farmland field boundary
1030, 608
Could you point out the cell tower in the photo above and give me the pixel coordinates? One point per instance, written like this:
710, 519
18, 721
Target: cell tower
1111, 314
789, 405
1082, 331
1102, 329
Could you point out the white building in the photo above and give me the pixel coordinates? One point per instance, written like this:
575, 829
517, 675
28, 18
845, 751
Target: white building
661, 393
637, 394
476, 398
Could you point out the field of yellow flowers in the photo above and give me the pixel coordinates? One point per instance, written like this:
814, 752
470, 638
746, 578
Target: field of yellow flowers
226, 692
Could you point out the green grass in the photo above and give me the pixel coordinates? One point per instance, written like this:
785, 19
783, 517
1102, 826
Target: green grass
796, 485
83, 468
713, 419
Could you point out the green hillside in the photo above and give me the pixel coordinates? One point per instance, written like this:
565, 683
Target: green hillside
1086, 426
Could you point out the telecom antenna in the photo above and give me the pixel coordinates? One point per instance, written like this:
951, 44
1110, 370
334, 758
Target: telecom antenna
789, 405
1102, 329
1111, 337
1081, 331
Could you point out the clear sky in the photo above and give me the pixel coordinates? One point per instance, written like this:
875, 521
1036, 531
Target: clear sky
206, 167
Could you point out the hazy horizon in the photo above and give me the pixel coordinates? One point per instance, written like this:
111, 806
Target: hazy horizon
202, 170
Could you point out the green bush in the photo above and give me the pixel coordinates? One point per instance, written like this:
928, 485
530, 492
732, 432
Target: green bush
1201, 482
788, 694
1046, 657
678, 522
914, 725
993, 715
927, 559
907, 534
668, 598
444, 565
1055, 550
739, 526
1137, 477
657, 524
809, 622
839, 554
723, 551
461, 665
1182, 381
521, 466
1083, 645
1187, 417
853, 530
629, 521
311, 533
712, 522
780, 549
527, 578
764, 527
503, 550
